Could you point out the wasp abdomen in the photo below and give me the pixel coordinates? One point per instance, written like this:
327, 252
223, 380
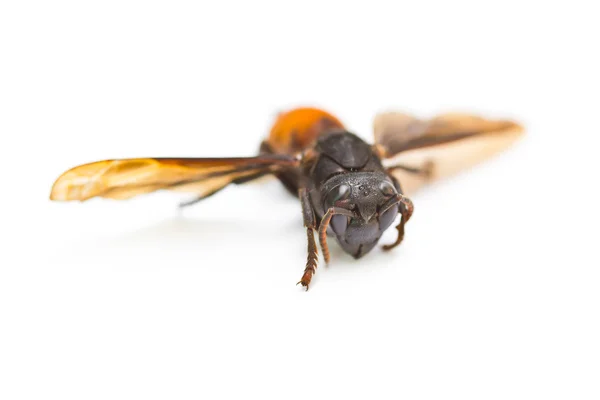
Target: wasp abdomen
296, 130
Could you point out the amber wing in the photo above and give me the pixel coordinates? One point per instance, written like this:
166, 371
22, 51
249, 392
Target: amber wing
125, 178
441, 146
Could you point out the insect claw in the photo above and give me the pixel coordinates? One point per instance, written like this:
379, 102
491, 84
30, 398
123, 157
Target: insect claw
400, 229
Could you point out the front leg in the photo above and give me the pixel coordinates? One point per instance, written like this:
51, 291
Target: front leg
310, 224
325, 223
406, 210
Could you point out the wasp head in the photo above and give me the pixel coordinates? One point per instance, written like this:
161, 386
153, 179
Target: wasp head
369, 199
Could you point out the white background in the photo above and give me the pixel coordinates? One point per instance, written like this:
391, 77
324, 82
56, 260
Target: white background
493, 294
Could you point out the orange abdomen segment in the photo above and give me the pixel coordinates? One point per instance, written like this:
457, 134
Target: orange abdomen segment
296, 130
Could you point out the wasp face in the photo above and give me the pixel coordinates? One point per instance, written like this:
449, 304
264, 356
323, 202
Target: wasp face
367, 195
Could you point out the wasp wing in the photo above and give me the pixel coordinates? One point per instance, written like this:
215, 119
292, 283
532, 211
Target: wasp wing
126, 178
439, 147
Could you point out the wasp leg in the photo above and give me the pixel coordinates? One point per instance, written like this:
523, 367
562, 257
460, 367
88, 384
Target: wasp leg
197, 199
308, 215
406, 210
238, 181
325, 223
426, 170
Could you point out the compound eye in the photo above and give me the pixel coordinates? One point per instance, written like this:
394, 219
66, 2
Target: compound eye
338, 193
386, 219
339, 223
387, 188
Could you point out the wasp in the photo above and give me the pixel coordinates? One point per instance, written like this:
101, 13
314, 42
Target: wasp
347, 188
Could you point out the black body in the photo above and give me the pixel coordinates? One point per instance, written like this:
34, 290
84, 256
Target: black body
344, 160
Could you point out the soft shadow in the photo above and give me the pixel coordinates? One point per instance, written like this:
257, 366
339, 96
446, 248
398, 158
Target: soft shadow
185, 240
179, 228
187, 236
